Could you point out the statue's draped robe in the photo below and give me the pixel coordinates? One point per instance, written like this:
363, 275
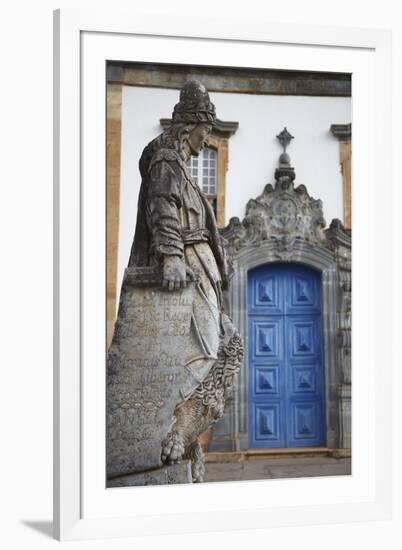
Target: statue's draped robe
169, 348
175, 218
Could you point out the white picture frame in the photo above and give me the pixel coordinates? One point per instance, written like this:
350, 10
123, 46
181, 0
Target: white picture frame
83, 507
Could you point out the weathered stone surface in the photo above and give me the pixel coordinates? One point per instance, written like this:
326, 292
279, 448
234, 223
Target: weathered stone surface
167, 475
147, 361
174, 352
282, 214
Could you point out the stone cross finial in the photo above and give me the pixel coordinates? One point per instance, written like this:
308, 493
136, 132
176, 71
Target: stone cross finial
285, 173
285, 138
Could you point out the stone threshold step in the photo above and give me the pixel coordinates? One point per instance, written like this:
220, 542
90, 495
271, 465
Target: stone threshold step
239, 456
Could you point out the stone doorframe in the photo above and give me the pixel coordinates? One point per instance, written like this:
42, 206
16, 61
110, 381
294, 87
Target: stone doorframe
311, 256
284, 224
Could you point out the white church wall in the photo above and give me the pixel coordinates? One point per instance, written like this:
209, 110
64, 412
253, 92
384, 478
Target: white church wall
253, 150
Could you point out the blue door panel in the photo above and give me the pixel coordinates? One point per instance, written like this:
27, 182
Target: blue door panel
303, 337
303, 292
303, 379
266, 381
285, 388
266, 295
269, 425
267, 336
305, 427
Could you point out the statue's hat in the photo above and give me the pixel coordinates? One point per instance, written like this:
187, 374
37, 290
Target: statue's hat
194, 105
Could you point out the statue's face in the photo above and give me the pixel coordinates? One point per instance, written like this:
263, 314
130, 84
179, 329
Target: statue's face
198, 138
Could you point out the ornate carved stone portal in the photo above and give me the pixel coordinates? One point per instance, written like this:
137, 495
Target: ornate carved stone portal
285, 224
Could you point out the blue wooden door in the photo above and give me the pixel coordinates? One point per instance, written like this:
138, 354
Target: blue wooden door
285, 367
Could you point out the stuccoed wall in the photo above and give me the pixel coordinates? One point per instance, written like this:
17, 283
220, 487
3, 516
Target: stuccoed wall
253, 150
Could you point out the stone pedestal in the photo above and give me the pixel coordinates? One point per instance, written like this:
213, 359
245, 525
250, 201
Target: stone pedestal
167, 475
145, 375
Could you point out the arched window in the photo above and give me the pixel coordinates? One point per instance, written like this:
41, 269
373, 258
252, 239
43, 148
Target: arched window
203, 169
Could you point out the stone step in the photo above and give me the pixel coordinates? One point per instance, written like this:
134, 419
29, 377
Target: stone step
249, 454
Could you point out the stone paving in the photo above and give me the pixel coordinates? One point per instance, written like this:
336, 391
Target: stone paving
266, 467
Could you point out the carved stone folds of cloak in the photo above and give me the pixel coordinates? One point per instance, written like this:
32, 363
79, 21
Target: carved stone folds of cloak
174, 354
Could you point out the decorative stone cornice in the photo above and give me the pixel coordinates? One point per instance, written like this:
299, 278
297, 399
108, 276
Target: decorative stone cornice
343, 132
231, 79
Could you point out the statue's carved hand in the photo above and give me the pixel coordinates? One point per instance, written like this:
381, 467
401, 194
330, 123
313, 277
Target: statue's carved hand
175, 273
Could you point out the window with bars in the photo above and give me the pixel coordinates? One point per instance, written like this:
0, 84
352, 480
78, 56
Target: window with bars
203, 170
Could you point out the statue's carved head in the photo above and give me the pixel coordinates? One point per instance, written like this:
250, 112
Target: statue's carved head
194, 116
192, 121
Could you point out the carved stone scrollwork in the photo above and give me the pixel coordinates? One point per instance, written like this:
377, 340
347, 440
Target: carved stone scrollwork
282, 214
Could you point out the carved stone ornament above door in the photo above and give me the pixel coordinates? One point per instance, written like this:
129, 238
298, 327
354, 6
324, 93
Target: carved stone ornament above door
281, 214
